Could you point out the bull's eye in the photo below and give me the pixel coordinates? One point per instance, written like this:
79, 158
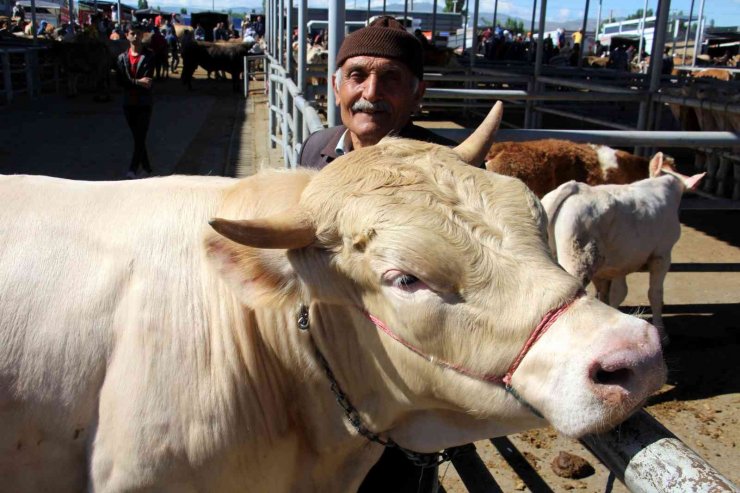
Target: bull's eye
406, 281
401, 280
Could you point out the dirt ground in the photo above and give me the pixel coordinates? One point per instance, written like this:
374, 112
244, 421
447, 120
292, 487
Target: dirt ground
210, 130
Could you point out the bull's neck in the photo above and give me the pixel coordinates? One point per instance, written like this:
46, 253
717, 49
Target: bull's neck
285, 375
352, 349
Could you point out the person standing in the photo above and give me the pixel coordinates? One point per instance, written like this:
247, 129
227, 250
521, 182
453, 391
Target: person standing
173, 46
18, 14
199, 33
135, 72
259, 26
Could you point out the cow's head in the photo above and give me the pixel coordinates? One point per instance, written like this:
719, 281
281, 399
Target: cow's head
661, 163
454, 262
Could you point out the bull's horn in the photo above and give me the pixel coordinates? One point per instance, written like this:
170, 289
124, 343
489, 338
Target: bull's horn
474, 149
290, 229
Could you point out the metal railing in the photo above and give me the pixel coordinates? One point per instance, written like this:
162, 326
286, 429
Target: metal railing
290, 112
26, 70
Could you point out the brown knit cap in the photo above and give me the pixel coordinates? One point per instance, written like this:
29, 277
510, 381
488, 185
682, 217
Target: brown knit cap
384, 37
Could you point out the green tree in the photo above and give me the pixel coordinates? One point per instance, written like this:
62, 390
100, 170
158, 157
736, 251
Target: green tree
514, 26
143, 4
183, 11
638, 14
454, 6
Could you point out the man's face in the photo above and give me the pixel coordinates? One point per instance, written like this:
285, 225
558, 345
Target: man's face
376, 96
134, 35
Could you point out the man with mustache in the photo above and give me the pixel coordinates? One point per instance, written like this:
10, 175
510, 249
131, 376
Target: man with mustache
379, 85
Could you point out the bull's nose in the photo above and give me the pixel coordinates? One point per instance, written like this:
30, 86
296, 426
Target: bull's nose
628, 371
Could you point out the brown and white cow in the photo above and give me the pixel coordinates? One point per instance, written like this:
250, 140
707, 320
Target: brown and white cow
606, 232
141, 350
544, 164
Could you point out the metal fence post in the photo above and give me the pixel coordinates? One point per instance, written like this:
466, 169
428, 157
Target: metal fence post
7, 80
29, 73
246, 76
285, 130
336, 36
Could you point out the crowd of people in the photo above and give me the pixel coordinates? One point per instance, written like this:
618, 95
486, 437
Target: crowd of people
502, 44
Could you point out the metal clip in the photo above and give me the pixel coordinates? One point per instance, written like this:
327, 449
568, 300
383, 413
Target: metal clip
303, 321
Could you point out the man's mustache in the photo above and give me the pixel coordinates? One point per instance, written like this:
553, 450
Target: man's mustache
365, 105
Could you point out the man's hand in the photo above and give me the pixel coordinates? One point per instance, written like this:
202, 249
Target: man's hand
145, 82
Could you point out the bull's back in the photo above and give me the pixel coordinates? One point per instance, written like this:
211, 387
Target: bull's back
79, 263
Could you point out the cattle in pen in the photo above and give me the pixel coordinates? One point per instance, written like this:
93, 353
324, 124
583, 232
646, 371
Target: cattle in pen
144, 349
544, 164
606, 232
214, 57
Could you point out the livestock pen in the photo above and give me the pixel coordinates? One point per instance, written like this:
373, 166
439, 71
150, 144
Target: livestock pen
577, 97
642, 453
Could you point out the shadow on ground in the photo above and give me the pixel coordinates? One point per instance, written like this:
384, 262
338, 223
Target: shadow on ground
702, 353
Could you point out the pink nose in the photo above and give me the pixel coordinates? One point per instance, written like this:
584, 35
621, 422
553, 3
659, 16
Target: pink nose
629, 369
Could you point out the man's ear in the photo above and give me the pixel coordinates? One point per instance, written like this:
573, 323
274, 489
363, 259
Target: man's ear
419, 96
420, 91
334, 87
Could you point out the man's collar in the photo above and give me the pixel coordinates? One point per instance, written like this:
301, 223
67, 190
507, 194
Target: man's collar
344, 144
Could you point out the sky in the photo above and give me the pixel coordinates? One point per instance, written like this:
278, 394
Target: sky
723, 12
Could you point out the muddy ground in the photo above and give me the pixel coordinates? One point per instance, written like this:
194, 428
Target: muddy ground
195, 133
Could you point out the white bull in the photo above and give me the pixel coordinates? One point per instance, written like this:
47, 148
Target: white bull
140, 350
602, 233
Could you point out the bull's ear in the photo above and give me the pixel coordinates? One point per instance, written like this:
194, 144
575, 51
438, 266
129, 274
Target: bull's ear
288, 229
473, 150
258, 277
248, 255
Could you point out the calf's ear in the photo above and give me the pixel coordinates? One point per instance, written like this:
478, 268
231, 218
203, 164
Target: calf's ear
692, 182
656, 165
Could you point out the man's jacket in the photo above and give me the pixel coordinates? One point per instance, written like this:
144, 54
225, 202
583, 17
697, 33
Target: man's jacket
134, 95
319, 149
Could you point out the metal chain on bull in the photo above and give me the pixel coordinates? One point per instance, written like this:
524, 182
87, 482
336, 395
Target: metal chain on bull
353, 415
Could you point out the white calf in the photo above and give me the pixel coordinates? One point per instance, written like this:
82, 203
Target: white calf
602, 233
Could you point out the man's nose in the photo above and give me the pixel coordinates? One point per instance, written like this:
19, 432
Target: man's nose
372, 88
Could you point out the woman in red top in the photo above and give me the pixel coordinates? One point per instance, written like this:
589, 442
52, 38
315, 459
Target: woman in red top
135, 70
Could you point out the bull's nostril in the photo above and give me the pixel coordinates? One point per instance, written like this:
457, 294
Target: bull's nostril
616, 377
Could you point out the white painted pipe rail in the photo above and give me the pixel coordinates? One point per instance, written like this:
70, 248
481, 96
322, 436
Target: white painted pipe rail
648, 458
527, 95
611, 137
293, 132
559, 81
698, 103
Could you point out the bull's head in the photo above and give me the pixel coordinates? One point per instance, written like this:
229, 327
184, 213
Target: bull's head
453, 262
